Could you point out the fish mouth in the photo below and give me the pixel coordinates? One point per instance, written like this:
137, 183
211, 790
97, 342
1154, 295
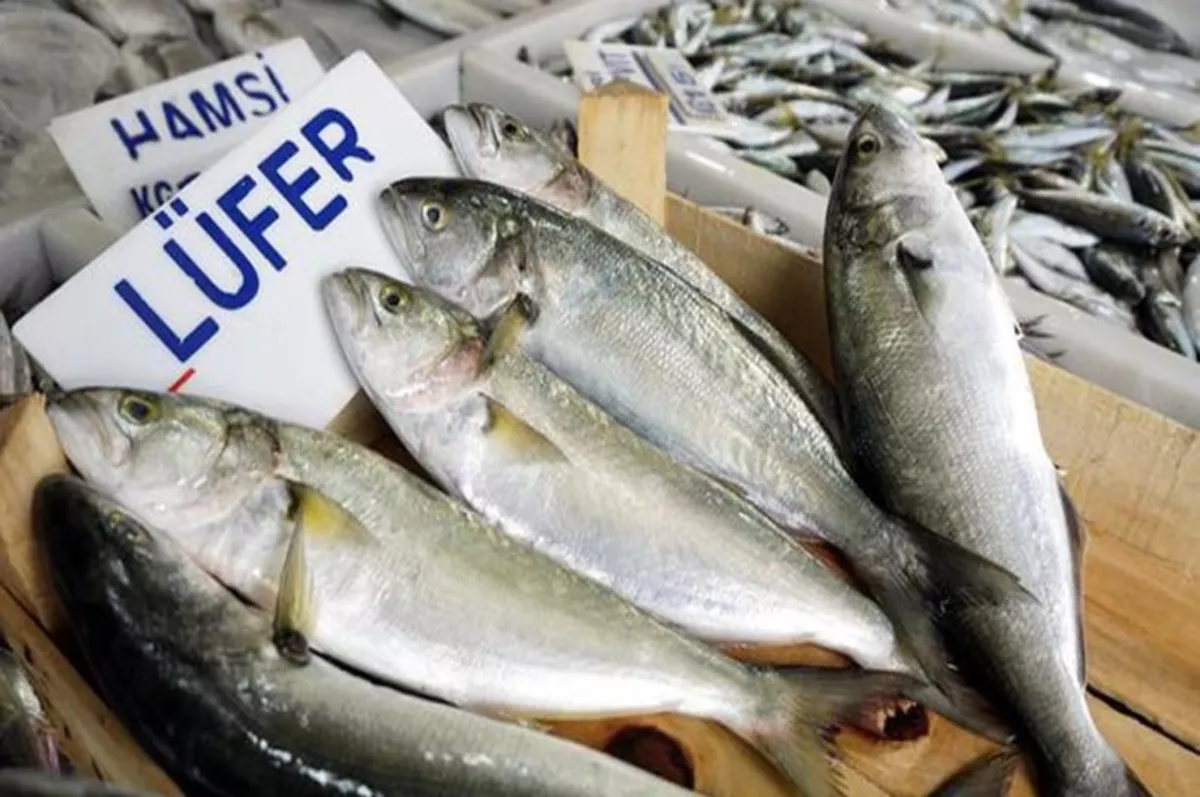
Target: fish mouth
397, 226
470, 135
346, 299
89, 441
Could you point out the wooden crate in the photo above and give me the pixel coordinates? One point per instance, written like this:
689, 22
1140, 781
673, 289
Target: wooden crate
1134, 475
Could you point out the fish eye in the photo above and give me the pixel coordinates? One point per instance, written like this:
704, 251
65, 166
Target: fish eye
511, 130
138, 409
434, 215
393, 297
867, 144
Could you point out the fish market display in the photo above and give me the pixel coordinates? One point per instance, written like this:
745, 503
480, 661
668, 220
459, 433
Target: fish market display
401, 582
489, 425
666, 362
921, 330
1103, 199
196, 676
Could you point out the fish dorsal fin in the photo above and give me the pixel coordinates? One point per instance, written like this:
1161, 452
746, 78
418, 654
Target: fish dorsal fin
987, 776
1077, 534
313, 516
516, 436
507, 327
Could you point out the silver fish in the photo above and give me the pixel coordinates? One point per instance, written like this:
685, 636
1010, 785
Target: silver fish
137, 19
494, 146
451, 17
1121, 221
409, 586
15, 374
663, 360
147, 61
26, 738
1191, 302
209, 686
921, 329
488, 425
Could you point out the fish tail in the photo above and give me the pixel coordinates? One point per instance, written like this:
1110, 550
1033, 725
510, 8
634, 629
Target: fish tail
797, 706
987, 776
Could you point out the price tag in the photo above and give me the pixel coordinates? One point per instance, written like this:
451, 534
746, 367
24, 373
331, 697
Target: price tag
132, 153
218, 292
692, 107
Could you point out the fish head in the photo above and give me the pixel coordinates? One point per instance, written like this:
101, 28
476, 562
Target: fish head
460, 239
112, 568
408, 347
884, 159
495, 146
166, 456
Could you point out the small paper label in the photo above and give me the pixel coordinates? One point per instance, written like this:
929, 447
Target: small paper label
692, 106
132, 153
218, 292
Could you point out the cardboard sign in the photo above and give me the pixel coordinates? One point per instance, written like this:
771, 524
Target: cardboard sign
132, 153
692, 107
218, 292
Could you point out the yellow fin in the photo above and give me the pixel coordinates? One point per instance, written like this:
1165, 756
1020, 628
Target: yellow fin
521, 439
293, 607
321, 517
506, 333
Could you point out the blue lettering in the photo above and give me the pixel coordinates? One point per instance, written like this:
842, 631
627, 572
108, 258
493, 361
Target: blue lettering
162, 192
221, 298
183, 348
132, 142
178, 125
222, 113
294, 191
243, 80
275, 80
252, 228
141, 200
187, 179
336, 154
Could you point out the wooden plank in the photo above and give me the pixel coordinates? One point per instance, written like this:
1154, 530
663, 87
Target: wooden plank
634, 163
29, 452
86, 729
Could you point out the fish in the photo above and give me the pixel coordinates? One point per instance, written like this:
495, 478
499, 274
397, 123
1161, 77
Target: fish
137, 19
492, 145
664, 361
909, 284
247, 29
16, 377
761, 222
1162, 311
449, 17
1114, 269
522, 636
26, 738
487, 422
202, 681
1191, 302
1036, 135
51, 63
995, 228
27, 783
1111, 218
147, 61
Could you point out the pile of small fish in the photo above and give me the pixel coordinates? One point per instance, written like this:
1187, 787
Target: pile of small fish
57, 57
231, 577
1094, 207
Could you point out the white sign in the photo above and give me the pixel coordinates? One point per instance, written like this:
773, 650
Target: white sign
218, 291
132, 153
692, 107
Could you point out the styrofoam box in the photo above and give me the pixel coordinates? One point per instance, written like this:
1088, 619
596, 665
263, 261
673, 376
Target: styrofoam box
483, 67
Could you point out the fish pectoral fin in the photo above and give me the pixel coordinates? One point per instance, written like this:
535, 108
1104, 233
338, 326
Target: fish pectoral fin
915, 252
955, 577
1077, 534
986, 776
521, 439
507, 326
293, 624
316, 515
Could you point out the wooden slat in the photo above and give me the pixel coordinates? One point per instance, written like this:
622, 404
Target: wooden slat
623, 140
86, 729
